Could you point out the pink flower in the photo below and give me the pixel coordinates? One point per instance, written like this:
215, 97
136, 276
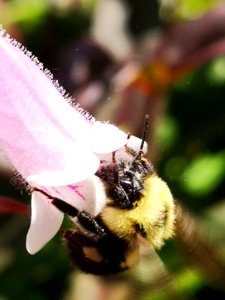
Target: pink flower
53, 145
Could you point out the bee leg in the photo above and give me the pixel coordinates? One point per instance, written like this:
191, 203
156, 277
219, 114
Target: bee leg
90, 224
63, 206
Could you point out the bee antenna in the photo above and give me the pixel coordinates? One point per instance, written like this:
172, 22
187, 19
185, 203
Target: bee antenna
140, 153
114, 157
144, 132
128, 137
114, 166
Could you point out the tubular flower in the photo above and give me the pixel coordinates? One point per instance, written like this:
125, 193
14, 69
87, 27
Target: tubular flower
53, 145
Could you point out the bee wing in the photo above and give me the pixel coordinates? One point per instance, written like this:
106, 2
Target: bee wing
150, 276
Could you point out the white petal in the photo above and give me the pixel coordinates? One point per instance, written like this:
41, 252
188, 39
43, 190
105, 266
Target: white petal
133, 143
107, 138
45, 222
93, 191
42, 132
82, 166
88, 195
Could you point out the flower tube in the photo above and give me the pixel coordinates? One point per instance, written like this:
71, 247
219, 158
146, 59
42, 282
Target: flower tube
52, 144
42, 134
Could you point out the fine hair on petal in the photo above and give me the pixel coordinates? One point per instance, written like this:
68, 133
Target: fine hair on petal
49, 75
19, 182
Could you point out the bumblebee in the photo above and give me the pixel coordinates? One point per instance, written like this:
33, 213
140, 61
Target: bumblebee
139, 203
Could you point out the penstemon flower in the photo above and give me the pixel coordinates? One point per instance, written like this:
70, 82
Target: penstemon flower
53, 145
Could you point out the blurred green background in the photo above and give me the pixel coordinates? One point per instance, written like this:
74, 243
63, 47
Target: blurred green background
189, 135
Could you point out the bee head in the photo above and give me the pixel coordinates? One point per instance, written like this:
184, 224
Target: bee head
125, 178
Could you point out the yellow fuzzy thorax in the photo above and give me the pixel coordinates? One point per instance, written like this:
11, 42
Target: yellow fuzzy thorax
153, 214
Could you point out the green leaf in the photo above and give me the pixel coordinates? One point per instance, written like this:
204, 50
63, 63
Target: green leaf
19, 10
216, 71
166, 132
204, 174
189, 9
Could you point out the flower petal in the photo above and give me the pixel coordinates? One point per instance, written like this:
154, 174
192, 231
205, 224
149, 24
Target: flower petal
45, 222
81, 166
92, 191
88, 195
41, 131
133, 143
107, 138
